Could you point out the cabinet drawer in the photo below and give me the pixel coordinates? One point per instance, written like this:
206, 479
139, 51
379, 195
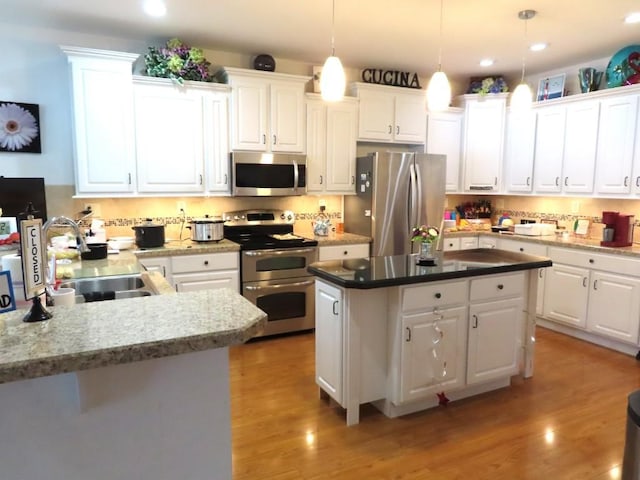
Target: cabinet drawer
340, 252
523, 247
435, 295
468, 243
450, 244
205, 262
498, 286
611, 263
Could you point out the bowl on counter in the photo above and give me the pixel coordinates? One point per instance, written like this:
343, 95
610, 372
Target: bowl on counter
121, 243
97, 251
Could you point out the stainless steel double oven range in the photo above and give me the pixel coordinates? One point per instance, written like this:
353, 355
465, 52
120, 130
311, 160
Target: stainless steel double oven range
273, 267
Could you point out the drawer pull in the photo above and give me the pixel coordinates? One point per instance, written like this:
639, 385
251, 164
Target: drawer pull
522, 249
206, 262
591, 260
438, 295
500, 286
345, 252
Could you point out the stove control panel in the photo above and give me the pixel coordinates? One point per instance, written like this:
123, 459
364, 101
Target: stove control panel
259, 217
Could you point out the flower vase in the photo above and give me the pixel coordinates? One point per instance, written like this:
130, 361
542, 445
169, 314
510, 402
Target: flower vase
426, 256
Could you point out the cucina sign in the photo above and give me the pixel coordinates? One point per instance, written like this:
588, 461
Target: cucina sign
391, 77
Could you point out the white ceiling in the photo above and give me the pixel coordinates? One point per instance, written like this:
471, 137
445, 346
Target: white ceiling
400, 34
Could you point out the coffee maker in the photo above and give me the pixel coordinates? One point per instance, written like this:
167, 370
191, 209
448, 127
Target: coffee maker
618, 231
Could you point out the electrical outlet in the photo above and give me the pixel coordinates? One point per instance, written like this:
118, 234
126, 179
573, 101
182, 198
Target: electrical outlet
95, 209
181, 206
575, 206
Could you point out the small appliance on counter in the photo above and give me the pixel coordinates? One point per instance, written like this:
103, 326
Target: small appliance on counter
618, 230
534, 229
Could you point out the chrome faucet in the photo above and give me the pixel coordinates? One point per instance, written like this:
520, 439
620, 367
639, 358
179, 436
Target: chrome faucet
63, 221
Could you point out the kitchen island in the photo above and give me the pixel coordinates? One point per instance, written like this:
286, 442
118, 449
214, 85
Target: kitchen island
131, 388
407, 337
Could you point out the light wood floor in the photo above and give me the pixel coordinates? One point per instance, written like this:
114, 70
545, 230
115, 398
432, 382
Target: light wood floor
567, 422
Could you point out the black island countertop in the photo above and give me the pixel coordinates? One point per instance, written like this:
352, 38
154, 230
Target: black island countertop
397, 270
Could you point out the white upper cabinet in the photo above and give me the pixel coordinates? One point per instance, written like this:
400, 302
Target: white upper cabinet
616, 136
102, 93
483, 141
267, 111
580, 142
331, 145
519, 151
444, 136
549, 149
391, 114
186, 156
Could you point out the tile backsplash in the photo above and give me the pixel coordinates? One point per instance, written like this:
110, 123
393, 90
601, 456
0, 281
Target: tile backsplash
120, 214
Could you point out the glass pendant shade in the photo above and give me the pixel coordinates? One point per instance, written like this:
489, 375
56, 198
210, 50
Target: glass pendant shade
438, 92
332, 80
521, 97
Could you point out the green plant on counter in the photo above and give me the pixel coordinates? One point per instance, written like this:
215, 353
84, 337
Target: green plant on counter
178, 62
424, 234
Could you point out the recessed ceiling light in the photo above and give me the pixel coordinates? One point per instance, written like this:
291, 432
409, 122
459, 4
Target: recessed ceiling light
155, 8
536, 47
632, 18
486, 62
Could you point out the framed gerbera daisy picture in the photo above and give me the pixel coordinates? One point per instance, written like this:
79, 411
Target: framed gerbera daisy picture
19, 127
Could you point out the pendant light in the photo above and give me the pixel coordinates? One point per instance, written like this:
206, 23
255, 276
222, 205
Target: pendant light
521, 98
332, 78
439, 90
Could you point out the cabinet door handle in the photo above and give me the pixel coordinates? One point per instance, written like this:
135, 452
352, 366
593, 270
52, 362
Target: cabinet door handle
475, 321
595, 284
164, 271
566, 181
200, 179
390, 130
637, 181
320, 179
528, 181
540, 272
557, 181
626, 181
264, 139
408, 337
353, 180
397, 129
584, 282
495, 181
226, 179
335, 304
274, 139
129, 179
500, 286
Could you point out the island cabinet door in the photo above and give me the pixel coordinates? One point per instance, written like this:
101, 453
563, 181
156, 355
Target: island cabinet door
432, 353
329, 337
566, 292
495, 339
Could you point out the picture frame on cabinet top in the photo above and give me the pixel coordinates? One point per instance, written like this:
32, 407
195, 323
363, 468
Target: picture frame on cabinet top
550, 87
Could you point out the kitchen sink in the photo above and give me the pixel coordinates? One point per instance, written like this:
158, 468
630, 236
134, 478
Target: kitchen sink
107, 288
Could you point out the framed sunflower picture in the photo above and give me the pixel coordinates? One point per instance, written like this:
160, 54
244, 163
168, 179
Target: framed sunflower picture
19, 127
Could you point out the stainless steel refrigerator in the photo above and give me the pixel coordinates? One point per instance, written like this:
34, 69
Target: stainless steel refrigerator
396, 191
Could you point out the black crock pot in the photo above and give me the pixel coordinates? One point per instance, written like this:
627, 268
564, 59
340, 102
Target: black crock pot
149, 235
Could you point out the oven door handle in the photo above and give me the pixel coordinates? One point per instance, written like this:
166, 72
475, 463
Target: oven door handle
284, 285
262, 253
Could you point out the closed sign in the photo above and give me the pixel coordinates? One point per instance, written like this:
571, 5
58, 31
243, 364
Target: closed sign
33, 257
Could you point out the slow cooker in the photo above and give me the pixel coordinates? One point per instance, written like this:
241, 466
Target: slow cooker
207, 229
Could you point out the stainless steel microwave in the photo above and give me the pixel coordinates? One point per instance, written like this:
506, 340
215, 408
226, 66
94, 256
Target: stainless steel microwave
256, 174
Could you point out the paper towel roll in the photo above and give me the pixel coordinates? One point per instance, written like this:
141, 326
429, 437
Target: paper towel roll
13, 263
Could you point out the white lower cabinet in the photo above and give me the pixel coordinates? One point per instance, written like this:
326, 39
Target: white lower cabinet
206, 271
328, 336
596, 293
460, 243
432, 357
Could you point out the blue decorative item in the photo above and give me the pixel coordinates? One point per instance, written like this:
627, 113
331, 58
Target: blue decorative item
624, 67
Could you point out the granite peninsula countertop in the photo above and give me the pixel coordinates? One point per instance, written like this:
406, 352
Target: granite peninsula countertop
389, 271
93, 335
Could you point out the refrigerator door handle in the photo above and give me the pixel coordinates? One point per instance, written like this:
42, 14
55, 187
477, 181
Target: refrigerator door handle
412, 218
419, 196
